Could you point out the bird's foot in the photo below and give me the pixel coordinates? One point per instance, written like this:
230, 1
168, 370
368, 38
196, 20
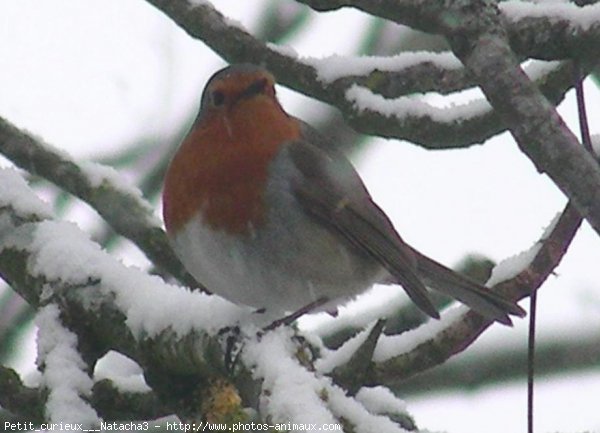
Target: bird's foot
290, 318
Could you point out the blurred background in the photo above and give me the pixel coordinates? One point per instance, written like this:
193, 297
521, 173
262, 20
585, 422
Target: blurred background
117, 82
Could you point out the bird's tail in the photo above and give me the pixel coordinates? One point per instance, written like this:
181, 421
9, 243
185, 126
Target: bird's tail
477, 297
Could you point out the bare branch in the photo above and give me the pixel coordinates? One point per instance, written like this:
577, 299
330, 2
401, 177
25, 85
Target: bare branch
556, 355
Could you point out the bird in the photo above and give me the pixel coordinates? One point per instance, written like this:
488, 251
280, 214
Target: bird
263, 211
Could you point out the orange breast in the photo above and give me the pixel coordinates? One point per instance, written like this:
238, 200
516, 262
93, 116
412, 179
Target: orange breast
220, 169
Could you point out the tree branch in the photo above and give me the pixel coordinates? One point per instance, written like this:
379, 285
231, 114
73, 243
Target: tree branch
479, 39
405, 77
112, 403
113, 307
459, 334
480, 42
554, 356
550, 32
98, 300
19, 399
539, 31
123, 209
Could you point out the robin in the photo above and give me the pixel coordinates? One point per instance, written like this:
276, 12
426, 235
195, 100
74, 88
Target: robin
264, 213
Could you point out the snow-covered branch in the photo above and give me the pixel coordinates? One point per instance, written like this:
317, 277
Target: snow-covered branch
330, 80
536, 29
553, 30
120, 204
479, 35
109, 401
293, 393
480, 41
18, 398
90, 304
166, 329
113, 403
453, 126
400, 357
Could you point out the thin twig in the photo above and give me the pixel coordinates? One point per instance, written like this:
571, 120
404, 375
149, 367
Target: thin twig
584, 126
531, 359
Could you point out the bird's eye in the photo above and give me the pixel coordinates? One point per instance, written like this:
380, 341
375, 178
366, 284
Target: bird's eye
218, 98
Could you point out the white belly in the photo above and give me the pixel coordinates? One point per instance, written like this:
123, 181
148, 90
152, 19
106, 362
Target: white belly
284, 266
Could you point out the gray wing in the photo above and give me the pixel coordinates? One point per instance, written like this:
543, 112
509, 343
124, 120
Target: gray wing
467, 291
331, 191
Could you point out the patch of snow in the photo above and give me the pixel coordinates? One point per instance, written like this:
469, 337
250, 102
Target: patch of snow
512, 266
15, 192
291, 393
60, 251
583, 17
390, 346
380, 400
413, 106
63, 371
334, 358
334, 67
125, 373
99, 174
285, 50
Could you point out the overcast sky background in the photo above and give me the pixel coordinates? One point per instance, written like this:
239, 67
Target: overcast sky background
91, 76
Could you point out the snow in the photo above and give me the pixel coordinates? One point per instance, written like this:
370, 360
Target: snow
413, 106
63, 371
512, 266
284, 50
290, 393
334, 67
390, 346
538, 69
362, 420
583, 17
15, 192
60, 251
380, 302
443, 109
99, 174
331, 359
125, 373
380, 400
